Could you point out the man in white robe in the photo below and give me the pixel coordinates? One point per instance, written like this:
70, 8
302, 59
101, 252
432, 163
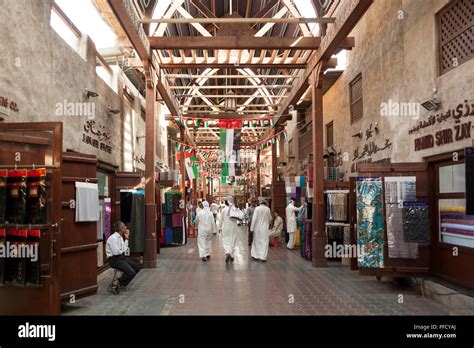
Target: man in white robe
206, 226
291, 223
229, 229
262, 217
275, 231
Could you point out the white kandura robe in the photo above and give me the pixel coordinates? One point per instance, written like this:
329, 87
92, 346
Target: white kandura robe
206, 227
262, 217
229, 230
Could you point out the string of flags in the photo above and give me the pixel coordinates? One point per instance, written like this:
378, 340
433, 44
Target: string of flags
271, 140
190, 149
252, 123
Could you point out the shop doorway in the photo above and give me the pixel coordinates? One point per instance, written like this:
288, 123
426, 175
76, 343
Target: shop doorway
453, 240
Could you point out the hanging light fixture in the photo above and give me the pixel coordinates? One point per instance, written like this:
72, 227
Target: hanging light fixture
230, 102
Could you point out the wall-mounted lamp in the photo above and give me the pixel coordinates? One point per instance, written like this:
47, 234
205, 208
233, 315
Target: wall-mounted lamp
431, 104
114, 111
376, 127
357, 135
138, 137
291, 157
91, 94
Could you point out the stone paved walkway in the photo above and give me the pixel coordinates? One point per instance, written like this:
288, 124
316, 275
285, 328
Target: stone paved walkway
286, 285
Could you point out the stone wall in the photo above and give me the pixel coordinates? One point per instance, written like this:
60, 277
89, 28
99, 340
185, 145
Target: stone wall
396, 52
41, 72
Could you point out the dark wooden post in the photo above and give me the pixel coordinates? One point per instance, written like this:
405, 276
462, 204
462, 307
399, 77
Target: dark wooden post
149, 257
182, 169
274, 170
259, 189
319, 228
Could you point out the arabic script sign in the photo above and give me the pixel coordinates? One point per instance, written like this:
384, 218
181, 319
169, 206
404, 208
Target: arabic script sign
97, 136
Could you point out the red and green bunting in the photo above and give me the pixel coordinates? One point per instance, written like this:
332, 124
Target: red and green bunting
189, 158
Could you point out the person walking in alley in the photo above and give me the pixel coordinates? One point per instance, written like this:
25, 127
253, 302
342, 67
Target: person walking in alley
229, 229
206, 226
249, 215
262, 217
291, 223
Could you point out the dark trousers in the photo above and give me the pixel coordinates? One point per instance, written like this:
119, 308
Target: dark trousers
128, 267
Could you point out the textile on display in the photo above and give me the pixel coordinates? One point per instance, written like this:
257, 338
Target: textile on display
454, 221
138, 222
416, 227
337, 204
33, 268
295, 186
397, 247
399, 189
87, 202
15, 267
469, 163
177, 220
178, 235
126, 206
3, 237
168, 235
107, 217
308, 245
3, 195
16, 197
370, 224
168, 220
36, 196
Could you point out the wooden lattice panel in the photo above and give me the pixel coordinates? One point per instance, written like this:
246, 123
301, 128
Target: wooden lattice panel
357, 107
456, 34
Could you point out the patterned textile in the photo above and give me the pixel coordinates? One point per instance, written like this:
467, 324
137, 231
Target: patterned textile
397, 247
295, 186
168, 204
16, 197
308, 245
36, 196
107, 219
416, 222
370, 224
3, 196
399, 189
337, 204
177, 235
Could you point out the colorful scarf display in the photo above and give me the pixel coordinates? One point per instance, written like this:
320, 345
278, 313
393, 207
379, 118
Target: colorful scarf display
3, 194
16, 197
337, 204
36, 196
416, 225
295, 186
399, 189
370, 224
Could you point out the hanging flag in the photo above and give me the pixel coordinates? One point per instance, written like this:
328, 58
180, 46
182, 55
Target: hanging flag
230, 134
191, 169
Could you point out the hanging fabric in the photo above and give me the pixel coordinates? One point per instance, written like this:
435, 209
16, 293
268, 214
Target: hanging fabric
337, 206
370, 223
33, 266
137, 223
36, 196
3, 194
107, 218
416, 222
16, 197
87, 202
15, 267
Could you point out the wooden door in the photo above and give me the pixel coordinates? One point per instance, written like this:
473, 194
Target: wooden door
79, 239
40, 145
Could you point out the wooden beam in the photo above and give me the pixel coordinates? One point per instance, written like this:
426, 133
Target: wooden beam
230, 86
191, 76
205, 11
221, 116
234, 42
239, 20
348, 16
130, 22
206, 65
237, 96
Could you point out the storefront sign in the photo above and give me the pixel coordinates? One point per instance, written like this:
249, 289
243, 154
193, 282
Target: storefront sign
96, 135
7, 105
445, 136
465, 109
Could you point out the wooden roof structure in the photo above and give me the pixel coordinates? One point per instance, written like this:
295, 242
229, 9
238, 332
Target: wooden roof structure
263, 51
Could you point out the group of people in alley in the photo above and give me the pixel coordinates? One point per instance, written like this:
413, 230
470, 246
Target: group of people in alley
264, 227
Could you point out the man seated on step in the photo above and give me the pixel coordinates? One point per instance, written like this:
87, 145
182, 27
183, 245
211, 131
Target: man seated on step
116, 250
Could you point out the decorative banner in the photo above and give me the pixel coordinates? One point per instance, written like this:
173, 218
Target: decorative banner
370, 222
267, 142
230, 131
